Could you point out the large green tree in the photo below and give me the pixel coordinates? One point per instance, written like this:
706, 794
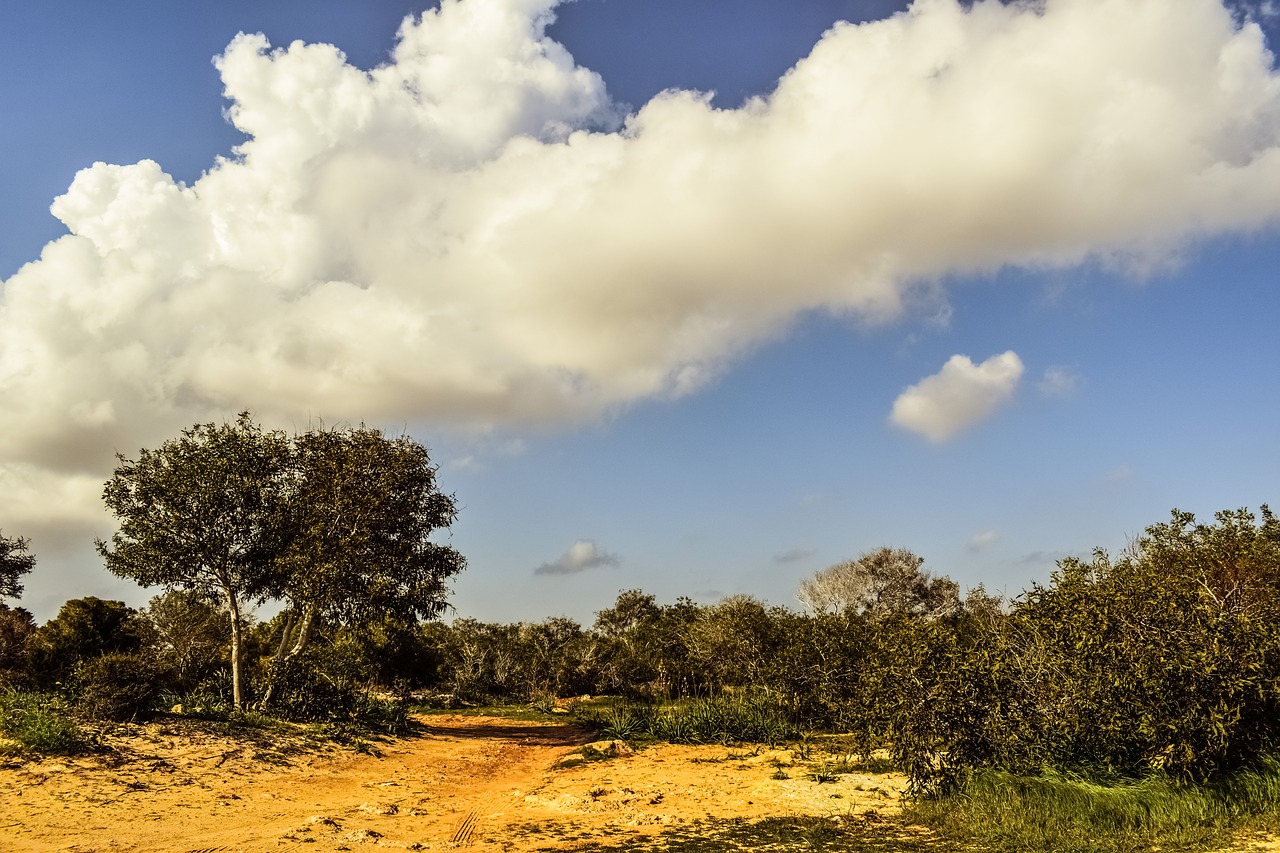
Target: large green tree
197, 514
359, 518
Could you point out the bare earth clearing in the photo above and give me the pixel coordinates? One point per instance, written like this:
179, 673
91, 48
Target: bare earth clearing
482, 783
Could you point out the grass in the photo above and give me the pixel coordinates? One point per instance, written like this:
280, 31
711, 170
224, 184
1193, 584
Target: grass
1002, 812
724, 720
39, 723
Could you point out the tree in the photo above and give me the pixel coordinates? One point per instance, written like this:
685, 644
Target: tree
85, 628
191, 635
881, 583
14, 563
358, 518
197, 514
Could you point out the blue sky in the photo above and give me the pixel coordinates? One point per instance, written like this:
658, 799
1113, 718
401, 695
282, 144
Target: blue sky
664, 345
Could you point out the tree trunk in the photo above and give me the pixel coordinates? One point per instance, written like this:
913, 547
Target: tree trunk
304, 637
236, 626
304, 631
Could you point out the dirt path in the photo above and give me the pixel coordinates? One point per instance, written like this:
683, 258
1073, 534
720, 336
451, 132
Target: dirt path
468, 782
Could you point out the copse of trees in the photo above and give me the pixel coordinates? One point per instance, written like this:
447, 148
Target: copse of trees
336, 523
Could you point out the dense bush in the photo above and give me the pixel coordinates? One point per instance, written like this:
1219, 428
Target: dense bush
117, 686
1166, 660
85, 628
16, 630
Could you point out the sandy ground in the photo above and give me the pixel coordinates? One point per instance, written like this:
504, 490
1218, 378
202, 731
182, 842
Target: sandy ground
479, 783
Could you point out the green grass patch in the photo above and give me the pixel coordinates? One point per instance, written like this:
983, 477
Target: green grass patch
39, 723
751, 718
1003, 812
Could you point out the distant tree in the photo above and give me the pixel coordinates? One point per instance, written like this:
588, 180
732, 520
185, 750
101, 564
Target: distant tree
14, 563
731, 642
85, 628
197, 514
644, 648
191, 634
358, 521
881, 583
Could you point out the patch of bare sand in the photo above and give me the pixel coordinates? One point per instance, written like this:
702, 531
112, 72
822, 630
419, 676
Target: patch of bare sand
474, 782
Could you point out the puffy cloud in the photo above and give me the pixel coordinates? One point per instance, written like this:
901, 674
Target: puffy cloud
583, 556
473, 234
958, 396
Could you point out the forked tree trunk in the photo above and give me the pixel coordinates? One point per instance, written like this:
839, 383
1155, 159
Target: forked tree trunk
304, 637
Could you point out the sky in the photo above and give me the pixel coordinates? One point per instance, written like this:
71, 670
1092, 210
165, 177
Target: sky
697, 298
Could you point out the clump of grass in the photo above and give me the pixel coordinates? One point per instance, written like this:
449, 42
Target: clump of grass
1007, 812
39, 723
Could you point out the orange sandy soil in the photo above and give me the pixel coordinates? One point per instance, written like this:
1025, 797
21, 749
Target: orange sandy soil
482, 783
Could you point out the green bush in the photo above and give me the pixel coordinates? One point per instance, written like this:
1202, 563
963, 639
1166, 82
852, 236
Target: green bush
1165, 661
117, 687
39, 722
85, 628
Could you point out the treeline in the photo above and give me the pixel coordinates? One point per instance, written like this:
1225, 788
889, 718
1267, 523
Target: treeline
1163, 660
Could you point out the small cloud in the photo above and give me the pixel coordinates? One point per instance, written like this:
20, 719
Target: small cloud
583, 556
958, 396
1059, 382
465, 463
984, 540
1119, 474
795, 555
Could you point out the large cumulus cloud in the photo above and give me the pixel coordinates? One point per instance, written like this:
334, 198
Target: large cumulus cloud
475, 234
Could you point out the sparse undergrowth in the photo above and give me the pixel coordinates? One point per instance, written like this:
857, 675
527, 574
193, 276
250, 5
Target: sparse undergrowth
39, 723
750, 718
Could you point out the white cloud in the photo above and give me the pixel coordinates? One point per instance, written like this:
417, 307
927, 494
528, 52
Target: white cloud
958, 396
984, 540
584, 555
1059, 382
466, 235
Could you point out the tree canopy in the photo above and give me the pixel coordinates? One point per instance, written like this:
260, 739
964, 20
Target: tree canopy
196, 514
336, 523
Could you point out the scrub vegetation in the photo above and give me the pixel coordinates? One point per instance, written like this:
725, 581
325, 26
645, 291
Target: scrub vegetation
1129, 702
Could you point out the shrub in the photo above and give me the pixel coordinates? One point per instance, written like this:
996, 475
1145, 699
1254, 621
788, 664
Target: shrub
117, 687
38, 722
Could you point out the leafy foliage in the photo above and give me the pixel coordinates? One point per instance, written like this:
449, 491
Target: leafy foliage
17, 627
118, 687
85, 628
39, 723
15, 561
195, 514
